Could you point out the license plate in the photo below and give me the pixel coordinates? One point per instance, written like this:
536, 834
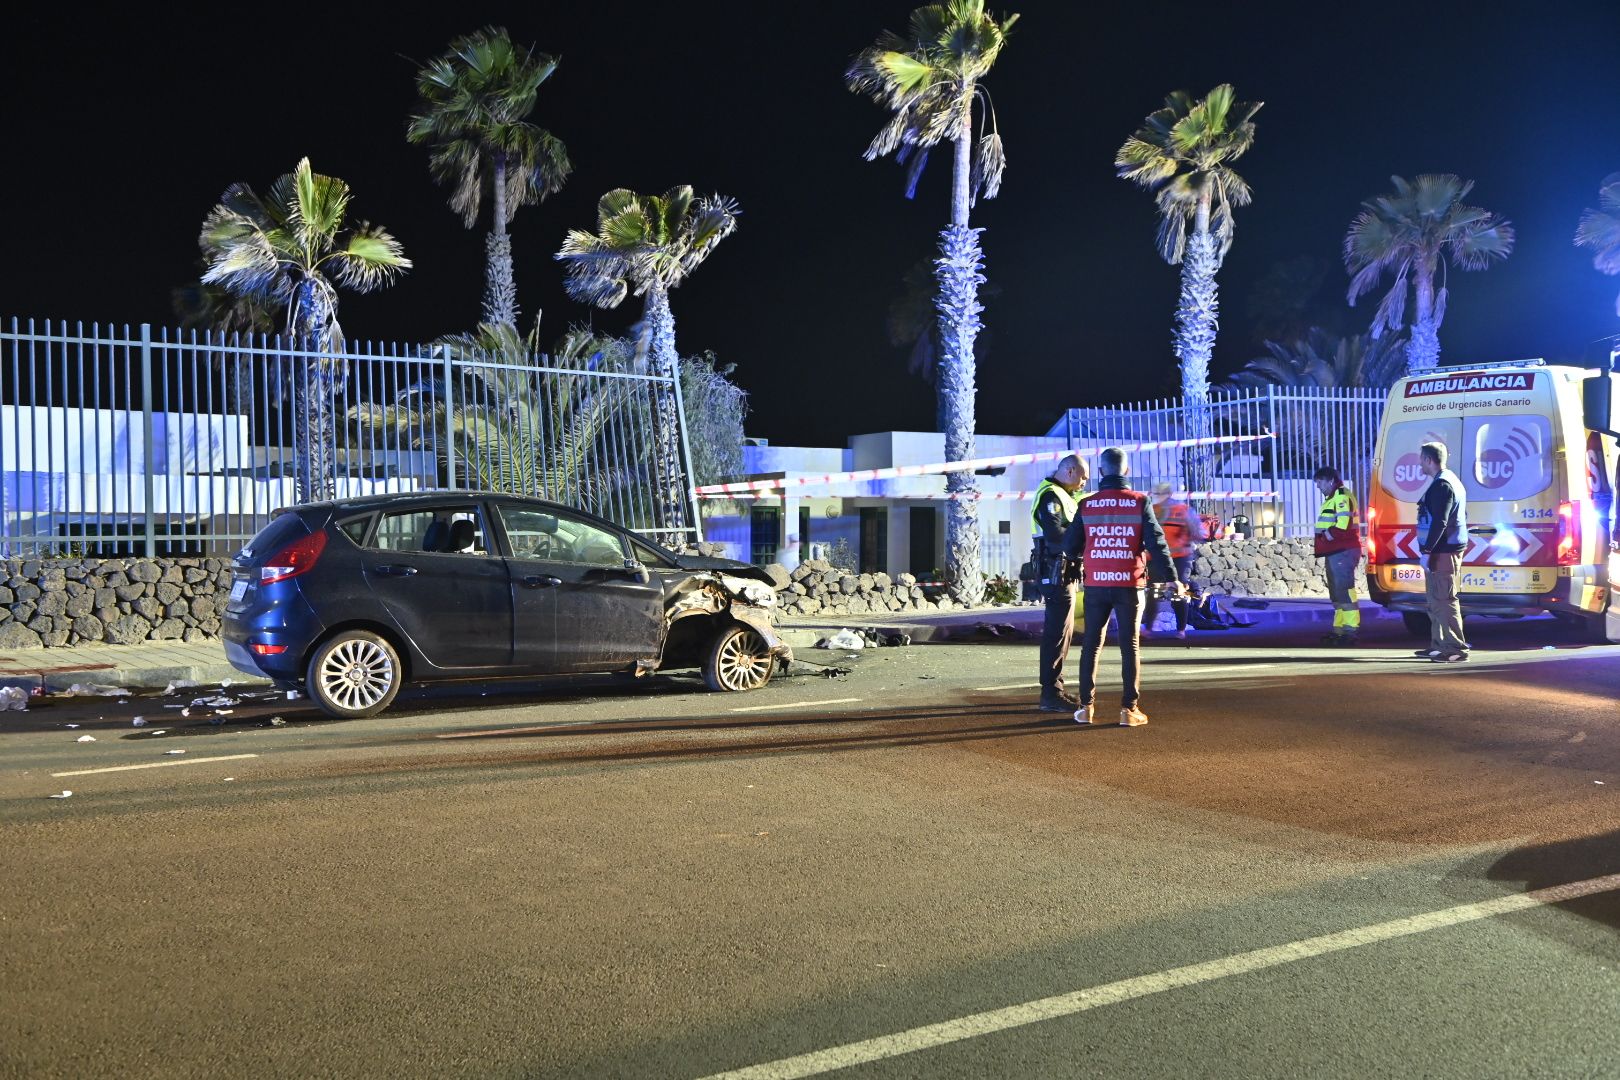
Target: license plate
1409, 573
239, 590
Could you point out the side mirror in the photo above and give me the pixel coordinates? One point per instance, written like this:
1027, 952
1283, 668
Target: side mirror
637, 570
1597, 400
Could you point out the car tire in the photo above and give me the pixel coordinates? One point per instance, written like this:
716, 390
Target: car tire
1417, 623
738, 660
356, 673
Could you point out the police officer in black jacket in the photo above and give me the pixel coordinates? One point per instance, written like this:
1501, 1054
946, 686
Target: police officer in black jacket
1050, 518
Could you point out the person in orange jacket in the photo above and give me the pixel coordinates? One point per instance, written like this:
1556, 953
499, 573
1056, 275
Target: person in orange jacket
1183, 531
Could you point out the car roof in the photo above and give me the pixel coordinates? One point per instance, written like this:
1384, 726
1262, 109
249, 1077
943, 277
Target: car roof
405, 499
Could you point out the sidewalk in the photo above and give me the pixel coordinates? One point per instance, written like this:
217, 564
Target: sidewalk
154, 664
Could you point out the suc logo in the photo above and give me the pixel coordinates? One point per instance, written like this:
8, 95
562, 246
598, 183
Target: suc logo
1409, 473
1494, 467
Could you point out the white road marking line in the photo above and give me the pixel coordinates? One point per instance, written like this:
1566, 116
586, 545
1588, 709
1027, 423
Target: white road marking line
155, 765
797, 704
1014, 686
987, 1023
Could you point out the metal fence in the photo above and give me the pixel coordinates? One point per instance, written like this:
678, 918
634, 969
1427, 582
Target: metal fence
135, 441
1313, 427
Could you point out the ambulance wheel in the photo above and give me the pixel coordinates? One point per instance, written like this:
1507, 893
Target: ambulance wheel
1417, 623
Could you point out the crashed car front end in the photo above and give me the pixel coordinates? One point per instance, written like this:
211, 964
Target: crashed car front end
699, 602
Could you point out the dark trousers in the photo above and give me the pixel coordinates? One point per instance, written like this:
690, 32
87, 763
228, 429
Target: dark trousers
1182, 605
1055, 636
1099, 605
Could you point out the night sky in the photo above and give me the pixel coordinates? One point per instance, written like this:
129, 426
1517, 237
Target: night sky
123, 129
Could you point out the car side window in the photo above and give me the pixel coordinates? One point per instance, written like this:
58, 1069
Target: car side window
559, 537
445, 530
647, 556
355, 528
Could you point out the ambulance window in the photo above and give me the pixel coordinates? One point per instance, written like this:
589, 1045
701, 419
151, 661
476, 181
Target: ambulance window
1400, 473
1509, 458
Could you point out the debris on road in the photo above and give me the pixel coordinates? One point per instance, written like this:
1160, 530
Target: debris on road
87, 738
173, 752
139, 721
64, 794
79, 689
844, 639
217, 701
13, 698
179, 684
276, 721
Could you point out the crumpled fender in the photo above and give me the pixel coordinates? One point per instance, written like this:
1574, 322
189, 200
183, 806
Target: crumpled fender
760, 621
743, 599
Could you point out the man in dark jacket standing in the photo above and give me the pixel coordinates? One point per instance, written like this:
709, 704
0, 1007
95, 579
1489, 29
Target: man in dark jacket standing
1054, 509
1442, 538
1114, 532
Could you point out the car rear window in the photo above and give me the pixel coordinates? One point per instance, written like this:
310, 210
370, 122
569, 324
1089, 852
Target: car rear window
281, 531
1499, 458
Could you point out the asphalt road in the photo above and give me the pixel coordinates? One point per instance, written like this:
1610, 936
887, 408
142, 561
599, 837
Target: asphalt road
1298, 868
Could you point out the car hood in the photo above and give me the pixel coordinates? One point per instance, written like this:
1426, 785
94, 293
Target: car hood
725, 566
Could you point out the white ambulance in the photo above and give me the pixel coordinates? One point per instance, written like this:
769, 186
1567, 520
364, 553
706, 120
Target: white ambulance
1534, 447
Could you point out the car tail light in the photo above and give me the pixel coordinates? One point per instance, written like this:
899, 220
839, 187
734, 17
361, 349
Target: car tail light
1569, 533
1372, 544
294, 559
267, 650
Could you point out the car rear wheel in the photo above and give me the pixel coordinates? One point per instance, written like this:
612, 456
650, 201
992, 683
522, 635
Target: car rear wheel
357, 673
739, 659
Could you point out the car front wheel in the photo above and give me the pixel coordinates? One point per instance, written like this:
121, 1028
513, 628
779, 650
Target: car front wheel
738, 659
357, 673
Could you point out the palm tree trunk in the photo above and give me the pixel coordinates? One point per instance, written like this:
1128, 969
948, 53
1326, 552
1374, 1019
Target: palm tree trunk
958, 271
1423, 353
500, 287
1197, 318
315, 441
669, 473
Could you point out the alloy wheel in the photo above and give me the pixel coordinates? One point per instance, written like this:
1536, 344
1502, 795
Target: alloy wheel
357, 674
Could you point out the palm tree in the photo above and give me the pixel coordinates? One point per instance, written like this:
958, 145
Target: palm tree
279, 250
516, 426
647, 245
1322, 360
217, 311
1406, 234
476, 102
930, 79
1183, 153
1319, 361
1600, 230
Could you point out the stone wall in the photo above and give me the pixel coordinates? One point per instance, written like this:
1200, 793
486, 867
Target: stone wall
117, 601
1274, 568
816, 588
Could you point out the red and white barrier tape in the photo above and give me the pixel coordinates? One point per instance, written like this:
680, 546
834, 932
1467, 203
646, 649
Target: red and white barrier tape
1017, 496
892, 471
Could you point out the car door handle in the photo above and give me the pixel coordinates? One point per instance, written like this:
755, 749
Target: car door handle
396, 571
541, 581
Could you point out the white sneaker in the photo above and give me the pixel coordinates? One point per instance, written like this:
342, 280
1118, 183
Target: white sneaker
1082, 715
1132, 718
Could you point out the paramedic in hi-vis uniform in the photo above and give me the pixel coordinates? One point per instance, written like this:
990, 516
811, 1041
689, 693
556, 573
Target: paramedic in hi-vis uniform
1338, 545
1114, 532
1050, 517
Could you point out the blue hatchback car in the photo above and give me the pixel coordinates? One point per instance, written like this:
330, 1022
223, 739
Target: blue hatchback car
349, 601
